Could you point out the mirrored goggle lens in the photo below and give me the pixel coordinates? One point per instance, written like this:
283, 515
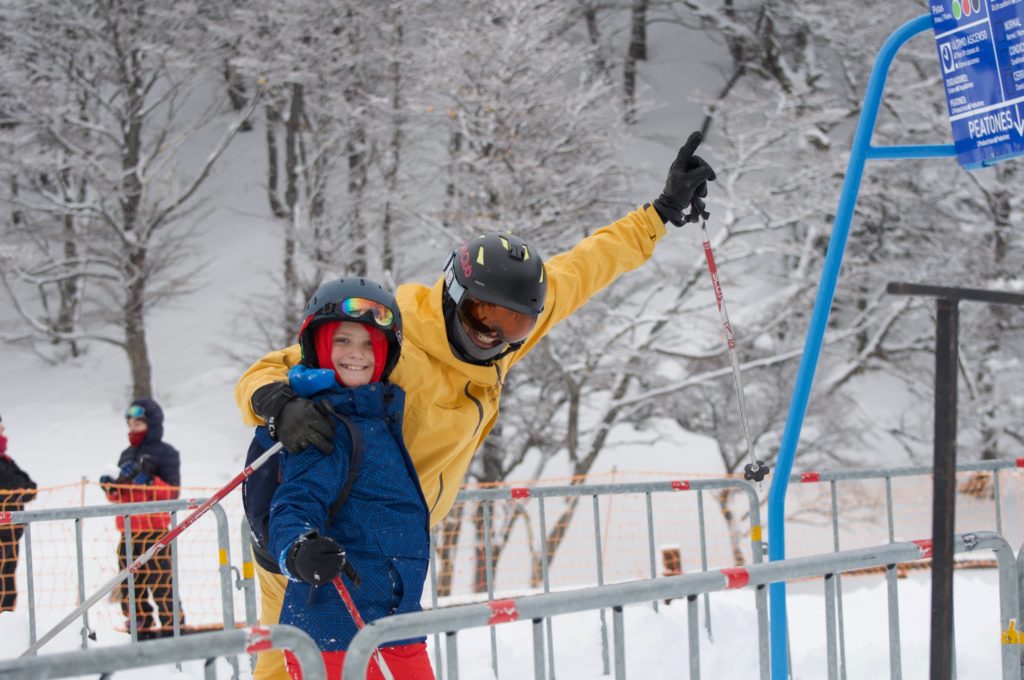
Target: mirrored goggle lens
357, 307
135, 411
486, 317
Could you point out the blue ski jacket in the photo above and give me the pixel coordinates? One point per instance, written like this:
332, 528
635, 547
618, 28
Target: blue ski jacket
383, 525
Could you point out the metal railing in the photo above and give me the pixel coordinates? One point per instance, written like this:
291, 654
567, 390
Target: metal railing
540, 608
207, 646
127, 510
647, 489
246, 580
888, 474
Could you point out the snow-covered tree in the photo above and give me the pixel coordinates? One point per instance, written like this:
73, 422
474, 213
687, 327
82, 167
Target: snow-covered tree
340, 81
532, 137
98, 102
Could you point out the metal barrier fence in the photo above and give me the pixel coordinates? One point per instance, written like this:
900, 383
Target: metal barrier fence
488, 497
540, 608
888, 474
208, 646
246, 582
623, 531
127, 510
487, 503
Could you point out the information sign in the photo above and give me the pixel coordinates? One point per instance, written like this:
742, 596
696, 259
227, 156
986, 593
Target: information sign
981, 52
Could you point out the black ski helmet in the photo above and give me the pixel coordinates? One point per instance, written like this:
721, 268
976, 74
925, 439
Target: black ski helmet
327, 305
501, 269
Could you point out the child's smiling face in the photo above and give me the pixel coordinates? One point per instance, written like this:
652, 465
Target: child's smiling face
352, 354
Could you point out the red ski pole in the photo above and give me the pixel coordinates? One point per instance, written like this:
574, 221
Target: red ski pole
353, 611
156, 547
755, 470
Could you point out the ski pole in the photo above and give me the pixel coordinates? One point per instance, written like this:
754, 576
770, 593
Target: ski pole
350, 605
755, 470
154, 549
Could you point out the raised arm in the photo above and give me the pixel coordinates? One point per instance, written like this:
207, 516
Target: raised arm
593, 263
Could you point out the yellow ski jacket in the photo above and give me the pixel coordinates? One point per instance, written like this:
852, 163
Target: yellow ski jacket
451, 405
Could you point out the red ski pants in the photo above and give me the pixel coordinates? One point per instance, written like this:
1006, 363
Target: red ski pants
407, 662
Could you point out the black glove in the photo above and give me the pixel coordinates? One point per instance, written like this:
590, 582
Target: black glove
295, 422
318, 559
687, 185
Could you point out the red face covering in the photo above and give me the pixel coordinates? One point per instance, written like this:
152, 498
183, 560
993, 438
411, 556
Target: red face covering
323, 341
3, 445
135, 438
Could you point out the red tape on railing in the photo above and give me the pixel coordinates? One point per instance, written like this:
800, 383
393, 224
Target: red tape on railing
681, 486
735, 577
258, 640
502, 611
808, 477
520, 492
925, 546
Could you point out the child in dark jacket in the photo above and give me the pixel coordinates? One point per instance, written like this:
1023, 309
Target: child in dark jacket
149, 470
16, 489
378, 538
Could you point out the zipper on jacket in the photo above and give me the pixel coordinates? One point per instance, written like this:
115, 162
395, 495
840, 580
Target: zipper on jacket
440, 491
479, 408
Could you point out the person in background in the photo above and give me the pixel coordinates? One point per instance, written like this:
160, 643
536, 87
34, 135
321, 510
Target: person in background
148, 470
16, 489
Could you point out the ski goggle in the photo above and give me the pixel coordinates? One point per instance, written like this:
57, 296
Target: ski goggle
135, 411
357, 308
486, 317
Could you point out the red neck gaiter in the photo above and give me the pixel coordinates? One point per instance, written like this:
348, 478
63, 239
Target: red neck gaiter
323, 341
3, 448
135, 438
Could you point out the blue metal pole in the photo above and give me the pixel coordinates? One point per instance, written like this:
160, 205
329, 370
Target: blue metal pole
819, 319
905, 151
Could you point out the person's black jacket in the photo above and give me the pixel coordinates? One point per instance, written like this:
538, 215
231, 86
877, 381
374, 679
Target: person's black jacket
13, 477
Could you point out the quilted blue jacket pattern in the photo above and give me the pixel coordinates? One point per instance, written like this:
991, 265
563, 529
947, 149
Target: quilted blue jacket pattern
383, 526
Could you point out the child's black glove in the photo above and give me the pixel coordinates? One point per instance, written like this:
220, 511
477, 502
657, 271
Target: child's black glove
687, 185
318, 559
295, 422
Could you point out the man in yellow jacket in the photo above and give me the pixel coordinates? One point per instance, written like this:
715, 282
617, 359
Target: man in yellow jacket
494, 302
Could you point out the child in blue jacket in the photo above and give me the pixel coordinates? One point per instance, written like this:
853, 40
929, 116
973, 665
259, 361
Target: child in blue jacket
378, 539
